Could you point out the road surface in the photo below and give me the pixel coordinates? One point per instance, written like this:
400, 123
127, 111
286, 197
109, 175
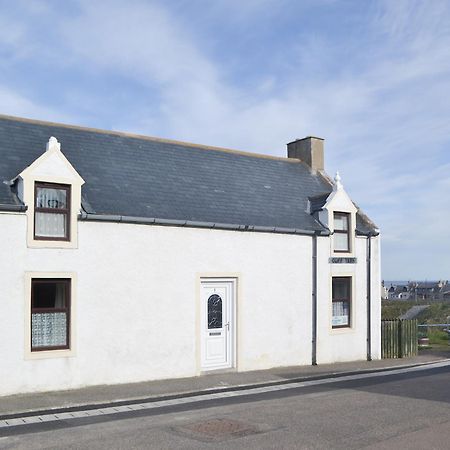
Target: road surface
408, 410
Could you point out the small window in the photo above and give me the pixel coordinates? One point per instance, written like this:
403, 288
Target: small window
50, 314
341, 293
214, 312
341, 236
52, 212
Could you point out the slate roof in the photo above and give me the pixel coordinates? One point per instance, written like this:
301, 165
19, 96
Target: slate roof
138, 176
317, 202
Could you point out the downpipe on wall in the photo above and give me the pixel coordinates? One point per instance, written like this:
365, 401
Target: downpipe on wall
314, 301
369, 297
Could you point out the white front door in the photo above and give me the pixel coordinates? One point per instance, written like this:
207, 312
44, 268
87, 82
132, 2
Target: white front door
217, 324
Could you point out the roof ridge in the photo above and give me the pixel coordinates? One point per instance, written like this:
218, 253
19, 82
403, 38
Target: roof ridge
149, 138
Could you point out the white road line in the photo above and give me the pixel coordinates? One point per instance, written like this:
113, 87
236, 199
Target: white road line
20, 421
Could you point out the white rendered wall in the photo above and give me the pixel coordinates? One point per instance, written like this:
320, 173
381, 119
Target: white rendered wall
137, 302
348, 344
376, 298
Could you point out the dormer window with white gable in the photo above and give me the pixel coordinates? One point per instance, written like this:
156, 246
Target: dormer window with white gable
52, 211
338, 213
50, 188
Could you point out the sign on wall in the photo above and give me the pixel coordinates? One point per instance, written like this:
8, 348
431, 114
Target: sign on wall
342, 260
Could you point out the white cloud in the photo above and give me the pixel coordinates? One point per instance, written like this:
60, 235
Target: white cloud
21, 106
383, 107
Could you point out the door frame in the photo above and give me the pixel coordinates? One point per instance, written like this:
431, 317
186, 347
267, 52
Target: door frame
219, 278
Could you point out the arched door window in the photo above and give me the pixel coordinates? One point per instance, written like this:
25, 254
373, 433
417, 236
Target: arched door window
214, 311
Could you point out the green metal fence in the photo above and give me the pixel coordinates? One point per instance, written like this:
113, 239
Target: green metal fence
399, 338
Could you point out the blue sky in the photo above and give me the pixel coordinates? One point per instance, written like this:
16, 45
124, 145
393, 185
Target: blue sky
371, 77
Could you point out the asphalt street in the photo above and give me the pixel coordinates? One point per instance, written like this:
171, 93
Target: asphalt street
408, 410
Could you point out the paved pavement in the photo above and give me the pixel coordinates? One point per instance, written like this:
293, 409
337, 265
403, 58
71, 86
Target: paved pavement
413, 312
103, 396
397, 408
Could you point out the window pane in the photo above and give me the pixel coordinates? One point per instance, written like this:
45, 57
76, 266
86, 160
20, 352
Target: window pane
50, 225
51, 198
49, 295
49, 330
341, 314
214, 312
341, 288
340, 242
341, 222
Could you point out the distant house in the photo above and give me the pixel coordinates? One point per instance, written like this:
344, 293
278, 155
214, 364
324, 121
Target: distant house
127, 258
445, 291
420, 290
399, 292
427, 290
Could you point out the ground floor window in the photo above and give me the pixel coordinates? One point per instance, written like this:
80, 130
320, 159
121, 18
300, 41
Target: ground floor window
50, 314
341, 299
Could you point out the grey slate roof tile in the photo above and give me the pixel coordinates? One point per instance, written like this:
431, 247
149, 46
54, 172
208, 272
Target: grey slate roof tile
144, 177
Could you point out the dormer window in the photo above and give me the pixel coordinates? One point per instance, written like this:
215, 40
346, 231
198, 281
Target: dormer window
52, 212
341, 221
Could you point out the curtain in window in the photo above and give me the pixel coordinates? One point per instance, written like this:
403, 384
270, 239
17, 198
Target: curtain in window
60, 295
50, 225
341, 313
341, 222
51, 198
48, 329
340, 242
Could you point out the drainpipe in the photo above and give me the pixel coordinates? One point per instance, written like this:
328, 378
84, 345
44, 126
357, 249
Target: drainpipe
369, 298
314, 301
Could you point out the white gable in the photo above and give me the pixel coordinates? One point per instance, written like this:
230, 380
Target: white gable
52, 165
339, 200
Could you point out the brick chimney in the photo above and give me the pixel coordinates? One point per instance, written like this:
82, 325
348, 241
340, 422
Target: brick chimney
309, 150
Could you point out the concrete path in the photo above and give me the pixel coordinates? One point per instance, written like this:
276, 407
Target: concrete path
162, 390
413, 312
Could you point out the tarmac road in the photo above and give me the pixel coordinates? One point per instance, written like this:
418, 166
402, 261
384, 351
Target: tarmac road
410, 410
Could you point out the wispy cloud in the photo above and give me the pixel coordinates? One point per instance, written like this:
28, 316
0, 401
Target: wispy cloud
373, 80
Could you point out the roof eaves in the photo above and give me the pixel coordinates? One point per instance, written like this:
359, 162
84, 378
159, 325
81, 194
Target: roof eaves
197, 224
367, 233
13, 208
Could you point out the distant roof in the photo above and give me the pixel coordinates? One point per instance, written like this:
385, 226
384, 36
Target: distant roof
139, 176
425, 284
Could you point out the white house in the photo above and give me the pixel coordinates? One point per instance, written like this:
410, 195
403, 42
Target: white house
127, 258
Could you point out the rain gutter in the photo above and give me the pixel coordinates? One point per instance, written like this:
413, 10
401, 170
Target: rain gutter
197, 224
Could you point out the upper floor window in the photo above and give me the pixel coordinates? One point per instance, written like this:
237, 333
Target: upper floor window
52, 212
341, 232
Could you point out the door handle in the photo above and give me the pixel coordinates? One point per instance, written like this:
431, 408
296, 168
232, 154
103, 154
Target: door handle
228, 326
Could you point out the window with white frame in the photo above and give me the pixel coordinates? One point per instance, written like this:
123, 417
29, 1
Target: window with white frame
341, 227
341, 301
50, 314
52, 212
